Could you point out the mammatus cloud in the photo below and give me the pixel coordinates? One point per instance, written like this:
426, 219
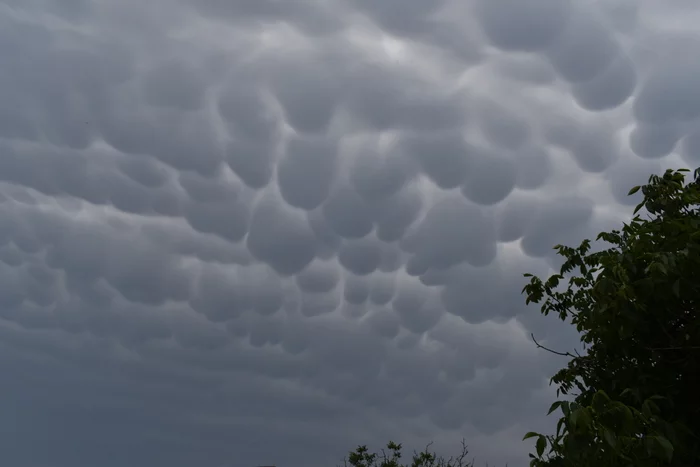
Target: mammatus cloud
249, 232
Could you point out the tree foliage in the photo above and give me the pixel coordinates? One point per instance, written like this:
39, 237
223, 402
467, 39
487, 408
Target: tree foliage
635, 305
391, 457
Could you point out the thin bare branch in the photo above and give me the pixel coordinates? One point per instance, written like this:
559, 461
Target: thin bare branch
540, 346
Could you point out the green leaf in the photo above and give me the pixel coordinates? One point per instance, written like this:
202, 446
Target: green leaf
600, 400
638, 207
609, 437
666, 446
554, 407
565, 407
530, 434
581, 418
649, 408
541, 444
633, 190
659, 447
662, 268
560, 424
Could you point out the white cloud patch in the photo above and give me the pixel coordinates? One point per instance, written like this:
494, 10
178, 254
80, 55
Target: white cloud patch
242, 232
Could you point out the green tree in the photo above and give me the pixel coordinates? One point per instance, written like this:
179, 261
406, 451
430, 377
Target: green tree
391, 457
636, 387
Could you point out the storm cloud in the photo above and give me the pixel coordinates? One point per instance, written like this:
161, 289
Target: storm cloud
263, 232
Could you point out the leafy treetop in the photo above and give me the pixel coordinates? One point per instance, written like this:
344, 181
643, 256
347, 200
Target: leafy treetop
635, 305
391, 457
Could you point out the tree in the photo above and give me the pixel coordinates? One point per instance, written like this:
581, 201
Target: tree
361, 457
635, 305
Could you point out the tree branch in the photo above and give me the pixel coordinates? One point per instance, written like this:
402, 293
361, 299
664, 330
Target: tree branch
540, 346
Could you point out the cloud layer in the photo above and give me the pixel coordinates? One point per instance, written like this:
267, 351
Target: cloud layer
252, 232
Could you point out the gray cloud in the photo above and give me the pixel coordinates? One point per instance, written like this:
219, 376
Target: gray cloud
227, 226
610, 88
667, 95
305, 175
280, 237
585, 48
531, 26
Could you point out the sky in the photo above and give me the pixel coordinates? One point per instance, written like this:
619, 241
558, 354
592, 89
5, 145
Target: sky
256, 232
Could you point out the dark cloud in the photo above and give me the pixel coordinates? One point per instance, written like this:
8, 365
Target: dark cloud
376, 100
356, 290
452, 231
513, 217
691, 147
226, 225
171, 138
444, 157
360, 257
650, 141
585, 49
413, 14
627, 173
491, 179
594, 148
417, 311
379, 175
348, 214
396, 214
531, 26
319, 276
609, 89
531, 69
533, 167
280, 237
174, 84
305, 175
668, 94
554, 220
309, 94
503, 128
254, 130
308, 15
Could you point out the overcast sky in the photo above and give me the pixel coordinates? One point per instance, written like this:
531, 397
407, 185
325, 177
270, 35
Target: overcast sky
243, 232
